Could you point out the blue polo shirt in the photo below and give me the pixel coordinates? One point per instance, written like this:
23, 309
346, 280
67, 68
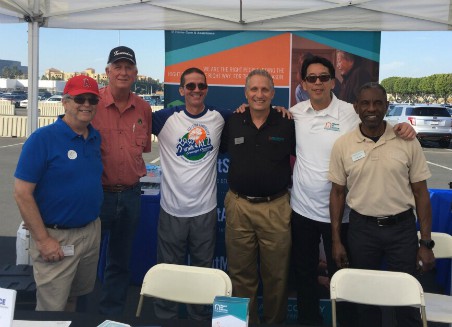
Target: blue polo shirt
67, 171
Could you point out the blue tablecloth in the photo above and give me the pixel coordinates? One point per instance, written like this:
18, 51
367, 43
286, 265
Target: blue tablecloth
144, 247
441, 201
145, 243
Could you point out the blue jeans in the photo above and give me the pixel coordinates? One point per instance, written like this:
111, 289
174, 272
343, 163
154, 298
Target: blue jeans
119, 215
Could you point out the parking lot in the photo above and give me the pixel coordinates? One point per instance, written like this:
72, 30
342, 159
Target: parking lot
439, 160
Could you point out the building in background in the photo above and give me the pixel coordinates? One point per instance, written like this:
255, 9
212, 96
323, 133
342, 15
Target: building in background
13, 66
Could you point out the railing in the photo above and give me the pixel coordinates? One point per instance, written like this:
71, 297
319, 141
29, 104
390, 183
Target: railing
6, 108
49, 109
16, 126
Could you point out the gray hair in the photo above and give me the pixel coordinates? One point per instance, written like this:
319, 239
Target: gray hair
260, 72
111, 63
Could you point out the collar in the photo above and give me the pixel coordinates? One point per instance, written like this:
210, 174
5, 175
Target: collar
202, 113
69, 133
387, 135
109, 101
332, 109
271, 118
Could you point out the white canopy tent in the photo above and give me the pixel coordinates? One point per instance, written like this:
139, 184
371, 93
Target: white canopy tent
275, 15
247, 15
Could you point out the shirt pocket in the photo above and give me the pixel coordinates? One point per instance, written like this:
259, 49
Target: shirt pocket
140, 137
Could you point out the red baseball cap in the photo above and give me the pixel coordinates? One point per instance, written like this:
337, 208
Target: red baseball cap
81, 84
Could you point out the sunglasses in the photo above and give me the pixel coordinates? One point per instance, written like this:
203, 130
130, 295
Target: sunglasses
79, 99
313, 78
192, 86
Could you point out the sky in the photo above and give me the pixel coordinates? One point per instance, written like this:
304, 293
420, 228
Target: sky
403, 54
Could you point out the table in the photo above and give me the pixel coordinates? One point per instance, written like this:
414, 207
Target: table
90, 320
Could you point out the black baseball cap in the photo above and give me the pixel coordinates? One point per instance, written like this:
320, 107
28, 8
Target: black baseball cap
122, 52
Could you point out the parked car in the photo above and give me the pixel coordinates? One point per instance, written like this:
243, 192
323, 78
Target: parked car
431, 122
158, 99
14, 98
23, 103
42, 95
148, 99
8, 96
54, 98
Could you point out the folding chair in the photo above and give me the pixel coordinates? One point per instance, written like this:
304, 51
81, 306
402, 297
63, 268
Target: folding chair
439, 307
374, 287
184, 284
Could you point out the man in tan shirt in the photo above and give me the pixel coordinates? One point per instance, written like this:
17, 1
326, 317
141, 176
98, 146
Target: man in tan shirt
386, 179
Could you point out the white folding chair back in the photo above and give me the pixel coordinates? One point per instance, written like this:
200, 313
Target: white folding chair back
184, 284
374, 287
439, 307
443, 245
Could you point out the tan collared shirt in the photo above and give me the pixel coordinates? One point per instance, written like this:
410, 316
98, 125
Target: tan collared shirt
378, 175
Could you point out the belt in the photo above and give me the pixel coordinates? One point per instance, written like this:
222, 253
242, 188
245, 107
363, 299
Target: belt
260, 199
118, 187
386, 220
56, 226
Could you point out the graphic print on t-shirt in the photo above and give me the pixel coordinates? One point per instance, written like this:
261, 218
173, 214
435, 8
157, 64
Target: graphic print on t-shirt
195, 144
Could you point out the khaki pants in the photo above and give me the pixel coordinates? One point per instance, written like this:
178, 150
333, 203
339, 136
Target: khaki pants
259, 232
74, 275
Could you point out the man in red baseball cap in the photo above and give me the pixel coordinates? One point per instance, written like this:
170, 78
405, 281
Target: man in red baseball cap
58, 163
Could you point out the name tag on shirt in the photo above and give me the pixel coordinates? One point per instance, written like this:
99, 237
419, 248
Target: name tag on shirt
239, 140
358, 155
68, 250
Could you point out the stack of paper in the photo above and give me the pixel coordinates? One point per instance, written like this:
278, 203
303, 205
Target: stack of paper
7, 304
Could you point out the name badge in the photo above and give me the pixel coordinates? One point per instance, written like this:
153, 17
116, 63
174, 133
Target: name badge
358, 155
239, 140
68, 250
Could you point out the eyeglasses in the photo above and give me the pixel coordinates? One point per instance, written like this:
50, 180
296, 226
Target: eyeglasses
313, 78
79, 99
192, 86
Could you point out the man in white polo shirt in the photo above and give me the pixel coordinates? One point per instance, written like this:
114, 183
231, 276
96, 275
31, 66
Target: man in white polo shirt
319, 121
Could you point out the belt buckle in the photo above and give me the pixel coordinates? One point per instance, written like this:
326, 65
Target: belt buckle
380, 221
251, 199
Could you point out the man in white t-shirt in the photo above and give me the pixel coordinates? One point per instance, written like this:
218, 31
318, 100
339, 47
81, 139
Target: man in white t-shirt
189, 140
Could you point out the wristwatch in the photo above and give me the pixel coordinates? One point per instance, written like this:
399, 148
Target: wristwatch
429, 244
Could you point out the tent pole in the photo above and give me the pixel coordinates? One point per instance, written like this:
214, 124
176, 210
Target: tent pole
33, 77
33, 67
241, 12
